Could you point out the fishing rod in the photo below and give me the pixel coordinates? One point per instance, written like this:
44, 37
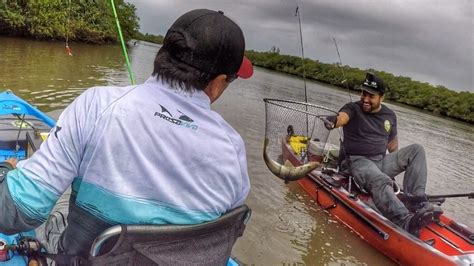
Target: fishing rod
460, 195
302, 54
297, 13
344, 81
124, 49
413, 198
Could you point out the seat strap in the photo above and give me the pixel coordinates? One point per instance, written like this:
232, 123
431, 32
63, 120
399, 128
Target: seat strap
66, 260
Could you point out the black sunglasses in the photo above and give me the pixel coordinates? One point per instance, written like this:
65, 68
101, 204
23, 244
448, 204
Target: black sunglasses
231, 77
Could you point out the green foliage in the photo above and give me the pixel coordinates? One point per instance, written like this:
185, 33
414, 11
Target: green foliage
86, 20
149, 37
128, 18
11, 17
435, 99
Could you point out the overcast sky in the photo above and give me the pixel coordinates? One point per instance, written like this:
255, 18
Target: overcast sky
428, 40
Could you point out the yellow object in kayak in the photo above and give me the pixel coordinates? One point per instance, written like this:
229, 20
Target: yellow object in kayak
298, 143
44, 135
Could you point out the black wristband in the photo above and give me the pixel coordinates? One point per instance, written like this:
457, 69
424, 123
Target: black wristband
332, 119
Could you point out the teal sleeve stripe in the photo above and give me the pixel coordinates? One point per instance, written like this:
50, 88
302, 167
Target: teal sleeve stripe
119, 209
32, 198
76, 184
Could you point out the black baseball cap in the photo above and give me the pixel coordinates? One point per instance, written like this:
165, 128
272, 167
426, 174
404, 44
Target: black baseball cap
373, 84
209, 41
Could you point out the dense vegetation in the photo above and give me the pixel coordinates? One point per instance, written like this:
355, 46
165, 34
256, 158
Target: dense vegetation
89, 21
149, 37
93, 21
436, 99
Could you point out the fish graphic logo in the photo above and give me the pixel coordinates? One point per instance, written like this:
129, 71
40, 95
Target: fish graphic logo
183, 120
185, 117
56, 130
164, 110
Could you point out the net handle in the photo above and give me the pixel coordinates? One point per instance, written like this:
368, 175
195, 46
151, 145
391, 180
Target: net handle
276, 102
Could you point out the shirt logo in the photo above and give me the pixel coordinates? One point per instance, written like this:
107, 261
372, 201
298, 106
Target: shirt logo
387, 126
56, 130
13, 107
183, 120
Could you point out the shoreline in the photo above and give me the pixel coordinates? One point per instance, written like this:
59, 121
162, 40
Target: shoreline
387, 99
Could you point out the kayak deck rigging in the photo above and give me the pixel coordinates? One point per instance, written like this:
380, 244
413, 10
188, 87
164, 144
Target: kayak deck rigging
442, 242
22, 129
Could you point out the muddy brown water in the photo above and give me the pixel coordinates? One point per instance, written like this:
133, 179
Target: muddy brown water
287, 227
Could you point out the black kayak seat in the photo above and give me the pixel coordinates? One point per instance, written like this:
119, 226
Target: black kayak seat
209, 243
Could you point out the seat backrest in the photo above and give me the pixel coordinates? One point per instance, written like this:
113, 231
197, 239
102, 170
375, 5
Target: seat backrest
208, 243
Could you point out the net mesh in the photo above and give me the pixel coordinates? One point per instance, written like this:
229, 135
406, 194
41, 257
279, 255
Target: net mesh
284, 118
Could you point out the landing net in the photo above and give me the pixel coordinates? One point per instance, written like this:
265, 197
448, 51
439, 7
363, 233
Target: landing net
298, 123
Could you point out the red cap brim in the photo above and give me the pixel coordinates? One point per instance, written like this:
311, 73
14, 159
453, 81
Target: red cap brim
246, 69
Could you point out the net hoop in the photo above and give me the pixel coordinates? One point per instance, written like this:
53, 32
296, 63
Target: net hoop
278, 102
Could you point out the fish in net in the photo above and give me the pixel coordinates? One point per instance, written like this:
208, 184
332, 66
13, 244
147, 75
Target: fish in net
299, 125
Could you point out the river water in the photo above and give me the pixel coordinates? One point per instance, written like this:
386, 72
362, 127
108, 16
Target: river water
286, 228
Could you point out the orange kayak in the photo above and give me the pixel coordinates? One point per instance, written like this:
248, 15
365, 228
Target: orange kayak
444, 242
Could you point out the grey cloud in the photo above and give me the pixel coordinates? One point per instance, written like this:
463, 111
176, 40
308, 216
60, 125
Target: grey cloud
428, 40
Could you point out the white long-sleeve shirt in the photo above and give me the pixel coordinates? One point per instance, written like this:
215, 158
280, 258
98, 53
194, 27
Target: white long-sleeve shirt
145, 154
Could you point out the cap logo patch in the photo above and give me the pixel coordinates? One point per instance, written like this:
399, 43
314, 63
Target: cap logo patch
372, 84
387, 126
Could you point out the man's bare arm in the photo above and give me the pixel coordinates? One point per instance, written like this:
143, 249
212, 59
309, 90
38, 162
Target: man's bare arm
393, 145
342, 119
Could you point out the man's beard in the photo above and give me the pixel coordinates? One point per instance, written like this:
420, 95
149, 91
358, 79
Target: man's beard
370, 107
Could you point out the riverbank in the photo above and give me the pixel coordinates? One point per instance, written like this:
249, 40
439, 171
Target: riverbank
81, 21
421, 95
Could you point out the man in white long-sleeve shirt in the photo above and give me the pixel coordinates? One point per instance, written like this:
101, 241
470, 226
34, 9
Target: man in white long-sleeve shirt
154, 153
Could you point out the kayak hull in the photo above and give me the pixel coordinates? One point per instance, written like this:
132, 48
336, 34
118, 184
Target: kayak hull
14, 259
447, 247
18, 121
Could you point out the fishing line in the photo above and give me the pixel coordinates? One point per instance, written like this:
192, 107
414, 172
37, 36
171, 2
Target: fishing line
17, 146
344, 81
297, 13
68, 49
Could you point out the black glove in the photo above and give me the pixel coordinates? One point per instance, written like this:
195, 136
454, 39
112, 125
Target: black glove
330, 122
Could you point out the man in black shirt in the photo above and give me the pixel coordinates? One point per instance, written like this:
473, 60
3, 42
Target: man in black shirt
370, 129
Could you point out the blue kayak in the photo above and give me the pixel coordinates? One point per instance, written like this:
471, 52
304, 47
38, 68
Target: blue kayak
22, 129
12, 258
11, 104
17, 120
